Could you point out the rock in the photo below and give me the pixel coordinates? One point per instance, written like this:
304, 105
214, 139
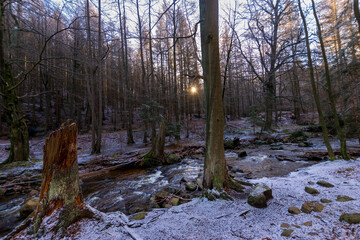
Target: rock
139, 216
191, 186
166, 205
276, 148
325, 184
294, 210
287, 232
28, 207
318, 207
174, 201
311, 190
173, 158
160, 195
308, 224
305, 144
307, 207
242, 154
353, 218
285, 225
311, 183
324, 200
297, 226
344, 198
313, 234
259, 196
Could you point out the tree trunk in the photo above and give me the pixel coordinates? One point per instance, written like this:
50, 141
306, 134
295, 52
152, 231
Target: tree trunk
60, 195
215, 172
339, 131
314, 90
357, 12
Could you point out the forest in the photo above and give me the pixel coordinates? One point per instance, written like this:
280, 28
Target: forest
179, 119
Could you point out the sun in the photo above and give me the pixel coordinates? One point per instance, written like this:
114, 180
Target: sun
193, 90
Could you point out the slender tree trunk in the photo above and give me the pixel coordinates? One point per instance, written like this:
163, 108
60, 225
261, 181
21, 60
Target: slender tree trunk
215, 172
357, 12
339, 131
176, 103
19, 136
314, 90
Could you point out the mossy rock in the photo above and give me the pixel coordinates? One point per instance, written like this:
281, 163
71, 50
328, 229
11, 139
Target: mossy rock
324, 200
343, 198
325, 184
294, 210
318, 207
307, 207
175, 201
287, 232
139, 216
285, 225
173, 158
312, 191
308, 224
353, 218
191, 186
259, 196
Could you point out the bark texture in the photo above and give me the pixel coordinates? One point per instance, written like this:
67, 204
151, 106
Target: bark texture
60, 195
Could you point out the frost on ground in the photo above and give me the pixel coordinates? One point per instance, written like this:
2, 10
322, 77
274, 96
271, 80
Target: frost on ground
220, 219
202, 219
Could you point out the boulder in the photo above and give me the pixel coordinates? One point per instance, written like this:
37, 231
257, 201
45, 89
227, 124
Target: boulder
308, 224
242, 154
353, 218
312, 191
325, 184
174, 201
191, 186
259, 196
287, 232
173, 158
343, 198
318, 207
294, 210
307, 207
28, 207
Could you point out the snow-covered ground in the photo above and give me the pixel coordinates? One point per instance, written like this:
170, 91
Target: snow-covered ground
220, 219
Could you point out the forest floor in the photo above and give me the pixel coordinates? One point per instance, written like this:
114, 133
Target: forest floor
112, 184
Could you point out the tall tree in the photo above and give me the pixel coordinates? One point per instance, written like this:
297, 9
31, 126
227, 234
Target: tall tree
313, 86
339, 131
215, 172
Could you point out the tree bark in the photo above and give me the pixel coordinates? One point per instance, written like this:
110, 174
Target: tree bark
357, 12
313, 86
60, 194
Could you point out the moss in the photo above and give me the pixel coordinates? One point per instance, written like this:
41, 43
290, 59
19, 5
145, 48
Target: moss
139, 216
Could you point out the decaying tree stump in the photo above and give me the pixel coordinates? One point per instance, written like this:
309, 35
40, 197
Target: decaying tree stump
60, 194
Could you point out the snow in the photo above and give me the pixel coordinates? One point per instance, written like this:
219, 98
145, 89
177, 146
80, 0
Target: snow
203, 219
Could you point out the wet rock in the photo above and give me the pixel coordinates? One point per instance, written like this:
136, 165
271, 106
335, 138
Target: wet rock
174, 201
161, 195
294, 210
285, 225
276, 148
139, 216
242, 154
312, 191
311, 182
343, 198
191, 186
308, 224
173, 158
259, 196
353, 218
28, 207
325, 184
287, 232
259, 142
324, 200
305, 144
318, 207
237, 169
307, 207
285, 158
313, 234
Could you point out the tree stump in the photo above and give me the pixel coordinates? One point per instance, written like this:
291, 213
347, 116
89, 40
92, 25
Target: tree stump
61, 201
